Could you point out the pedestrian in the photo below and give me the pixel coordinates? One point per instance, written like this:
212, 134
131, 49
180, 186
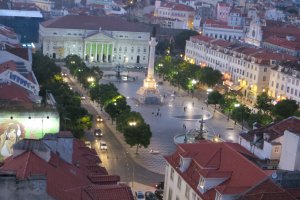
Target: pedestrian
159, 114
158, 110
152, 113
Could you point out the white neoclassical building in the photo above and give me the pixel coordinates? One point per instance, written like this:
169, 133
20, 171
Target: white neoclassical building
100, 39
246, 67
284, 81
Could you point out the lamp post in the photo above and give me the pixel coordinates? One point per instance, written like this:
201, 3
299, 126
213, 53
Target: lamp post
236, 105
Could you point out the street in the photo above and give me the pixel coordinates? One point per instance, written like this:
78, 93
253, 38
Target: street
116, 159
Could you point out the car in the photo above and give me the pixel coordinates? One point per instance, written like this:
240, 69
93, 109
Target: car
160, 185
103, 145
98, 132
139, 195
82, 97
99, 118
159, 194
150, 196
88, 144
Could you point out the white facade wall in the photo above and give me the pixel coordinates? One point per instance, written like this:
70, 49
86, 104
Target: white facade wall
222, 12
275, 14
235, 19
290, 156
127, 46
283, 85
223, 33
171, 189
255, 76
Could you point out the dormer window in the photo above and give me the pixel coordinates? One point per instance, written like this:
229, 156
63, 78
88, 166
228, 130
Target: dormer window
201, 182
218, 196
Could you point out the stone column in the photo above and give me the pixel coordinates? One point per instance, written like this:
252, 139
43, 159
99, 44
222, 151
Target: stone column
96, 53
107, 50
101, 55
152, 45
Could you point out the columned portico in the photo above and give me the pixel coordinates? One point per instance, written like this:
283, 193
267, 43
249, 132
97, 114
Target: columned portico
98, 51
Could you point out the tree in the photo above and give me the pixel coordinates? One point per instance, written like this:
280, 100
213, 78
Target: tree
264, 103
214, 98
262, 119
180, 39
117, 107
125, 118
209, 76
285, 108
241, 113
138, 135
227, 103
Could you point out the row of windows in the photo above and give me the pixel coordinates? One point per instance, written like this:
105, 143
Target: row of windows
132, 49
293, 80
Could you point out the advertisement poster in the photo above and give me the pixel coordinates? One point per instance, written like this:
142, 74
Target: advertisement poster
15, 126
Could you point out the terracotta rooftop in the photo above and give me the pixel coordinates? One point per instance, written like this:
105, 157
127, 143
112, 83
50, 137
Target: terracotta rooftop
275, 130
283, 42
21, 52
108, 23
220, 24
179, 7
218, 160
65, 180
266, 190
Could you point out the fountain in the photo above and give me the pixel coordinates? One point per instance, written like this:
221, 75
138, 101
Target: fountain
118, 77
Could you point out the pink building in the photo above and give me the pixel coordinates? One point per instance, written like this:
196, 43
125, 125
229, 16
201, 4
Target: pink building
223, 10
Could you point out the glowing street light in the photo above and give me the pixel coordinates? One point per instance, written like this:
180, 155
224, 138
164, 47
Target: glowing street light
132, 123
90, 79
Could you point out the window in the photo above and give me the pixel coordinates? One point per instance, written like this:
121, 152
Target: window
201, 182
276, 150
272, 84
218, 196
170, 194
177, 198
264, 78
172, 174
265, 69
193, 196
179, 183
277, 85
282, 86
288, 89
187, 191
145, 50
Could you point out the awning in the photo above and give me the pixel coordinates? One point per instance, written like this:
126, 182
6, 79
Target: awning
228, 83
236, 87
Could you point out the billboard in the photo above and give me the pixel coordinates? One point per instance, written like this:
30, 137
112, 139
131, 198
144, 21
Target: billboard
15, 126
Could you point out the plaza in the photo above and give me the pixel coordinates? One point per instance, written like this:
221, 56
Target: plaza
178, 113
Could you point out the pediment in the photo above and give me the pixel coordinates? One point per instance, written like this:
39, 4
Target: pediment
99, 36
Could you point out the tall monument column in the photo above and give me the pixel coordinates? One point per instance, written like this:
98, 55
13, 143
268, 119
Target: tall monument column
149, 93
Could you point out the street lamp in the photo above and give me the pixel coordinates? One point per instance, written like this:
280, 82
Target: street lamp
132, 123
236, 105
90, 79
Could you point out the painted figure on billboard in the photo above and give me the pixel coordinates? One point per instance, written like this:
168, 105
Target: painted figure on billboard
11, 132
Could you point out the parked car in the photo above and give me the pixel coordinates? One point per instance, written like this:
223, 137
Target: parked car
150, 196
160, 185
159, 194
139, 195
98, 132
99, 118
103, 145
82, 97
88, 144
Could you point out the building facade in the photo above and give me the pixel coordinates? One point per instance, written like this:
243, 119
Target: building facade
277, 142
284, 81
175, 11
104, 39
247, 67
205, 171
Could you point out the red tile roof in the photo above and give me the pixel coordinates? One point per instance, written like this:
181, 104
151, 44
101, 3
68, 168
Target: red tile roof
266, 190
220, 24
109, 23
64, 180
216, 160
179, 7
21, 52
201, 38
275, 130
283, 42
15, 95
107, 192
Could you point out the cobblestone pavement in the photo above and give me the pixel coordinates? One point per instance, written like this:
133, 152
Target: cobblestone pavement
167, 120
